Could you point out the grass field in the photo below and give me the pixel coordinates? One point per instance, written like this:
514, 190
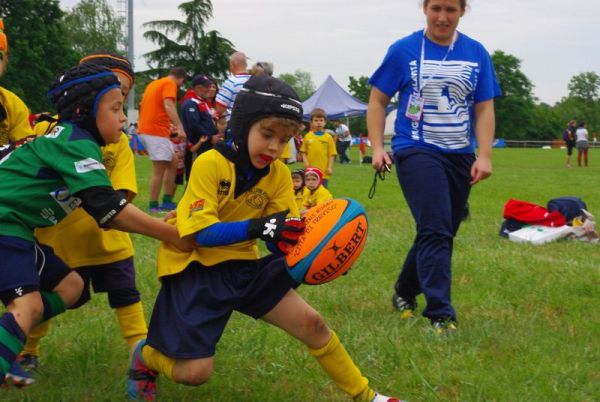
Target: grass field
529, 320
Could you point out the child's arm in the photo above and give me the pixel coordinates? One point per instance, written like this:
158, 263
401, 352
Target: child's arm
133, 220
330, 165
275, 228
110, 209
304, 159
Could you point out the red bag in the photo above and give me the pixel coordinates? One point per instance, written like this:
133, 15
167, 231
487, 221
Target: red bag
532, 214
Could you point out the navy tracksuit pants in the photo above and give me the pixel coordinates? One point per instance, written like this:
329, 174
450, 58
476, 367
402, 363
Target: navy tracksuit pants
436, 187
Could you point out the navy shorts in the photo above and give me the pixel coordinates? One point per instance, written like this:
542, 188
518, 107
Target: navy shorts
27, 267
107, 278
193, 307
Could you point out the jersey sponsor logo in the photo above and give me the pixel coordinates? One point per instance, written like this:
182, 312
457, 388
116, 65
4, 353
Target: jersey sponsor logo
55, 132
257, 198
109, 160
87, 165
195, 206
48, 214
224, 187
67, 202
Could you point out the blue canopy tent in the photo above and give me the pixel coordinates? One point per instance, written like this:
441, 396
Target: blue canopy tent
336, 102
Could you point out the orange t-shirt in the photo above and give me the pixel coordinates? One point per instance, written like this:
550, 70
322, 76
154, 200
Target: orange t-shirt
153, 119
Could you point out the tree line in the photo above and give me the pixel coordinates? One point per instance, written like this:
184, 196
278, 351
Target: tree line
45, 39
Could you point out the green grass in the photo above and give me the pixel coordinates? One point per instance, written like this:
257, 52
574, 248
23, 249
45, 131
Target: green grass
528, 315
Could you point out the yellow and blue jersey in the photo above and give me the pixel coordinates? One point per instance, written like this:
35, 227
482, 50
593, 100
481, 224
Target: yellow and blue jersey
210, 198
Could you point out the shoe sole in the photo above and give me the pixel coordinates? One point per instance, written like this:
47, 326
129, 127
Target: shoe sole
18, 382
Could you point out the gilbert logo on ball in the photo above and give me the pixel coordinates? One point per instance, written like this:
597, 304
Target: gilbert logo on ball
335, 235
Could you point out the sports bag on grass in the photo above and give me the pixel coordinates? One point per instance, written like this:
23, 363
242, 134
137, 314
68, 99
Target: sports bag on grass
569, 207
532, 214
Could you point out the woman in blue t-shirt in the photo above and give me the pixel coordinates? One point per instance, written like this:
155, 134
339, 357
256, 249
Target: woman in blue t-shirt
446, 87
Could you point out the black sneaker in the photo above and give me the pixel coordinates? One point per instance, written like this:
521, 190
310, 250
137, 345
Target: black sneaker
405, 307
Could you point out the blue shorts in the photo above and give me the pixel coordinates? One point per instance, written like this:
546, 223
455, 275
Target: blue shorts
27, 267
108, 278
193, 307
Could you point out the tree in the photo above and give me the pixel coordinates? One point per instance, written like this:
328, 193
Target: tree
193, 48
301, 81
545, 123
585, 86
360, 88
93, 25
515, 107
37, 49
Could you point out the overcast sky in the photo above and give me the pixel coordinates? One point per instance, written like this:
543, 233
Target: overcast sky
554, 39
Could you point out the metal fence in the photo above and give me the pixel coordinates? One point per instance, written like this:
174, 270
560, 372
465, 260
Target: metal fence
556, 143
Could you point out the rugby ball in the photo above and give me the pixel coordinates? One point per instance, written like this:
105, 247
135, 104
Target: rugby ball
335, 235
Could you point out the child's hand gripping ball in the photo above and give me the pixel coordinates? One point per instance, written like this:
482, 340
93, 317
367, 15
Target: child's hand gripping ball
334, 236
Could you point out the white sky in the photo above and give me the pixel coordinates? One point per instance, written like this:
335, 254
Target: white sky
554, 39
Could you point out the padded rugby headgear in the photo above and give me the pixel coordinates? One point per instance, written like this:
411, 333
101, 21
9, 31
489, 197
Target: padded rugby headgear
115, 62
77, 92
262, 96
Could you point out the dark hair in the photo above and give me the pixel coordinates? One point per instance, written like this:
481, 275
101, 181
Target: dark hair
177, 72
318, 112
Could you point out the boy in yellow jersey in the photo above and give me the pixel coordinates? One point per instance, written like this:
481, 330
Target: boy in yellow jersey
238, 193
14, 115
315, 193
102, 257
318, 148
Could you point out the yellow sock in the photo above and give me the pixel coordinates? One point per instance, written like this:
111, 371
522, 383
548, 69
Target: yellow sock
338, 364
156, 361
32, 346
132, 322
366, 395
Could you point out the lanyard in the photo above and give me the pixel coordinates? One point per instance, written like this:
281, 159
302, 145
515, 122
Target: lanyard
450, 48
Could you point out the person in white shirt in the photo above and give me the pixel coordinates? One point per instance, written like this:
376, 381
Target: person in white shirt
581, 136
344, 140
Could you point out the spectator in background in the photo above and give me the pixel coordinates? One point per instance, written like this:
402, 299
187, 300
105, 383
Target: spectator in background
262, 67
211, 97
198, 120
569, 138
344, 140
157, 110
581, 136
238, 66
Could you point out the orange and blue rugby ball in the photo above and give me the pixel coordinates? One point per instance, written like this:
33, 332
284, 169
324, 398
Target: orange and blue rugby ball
335, 235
